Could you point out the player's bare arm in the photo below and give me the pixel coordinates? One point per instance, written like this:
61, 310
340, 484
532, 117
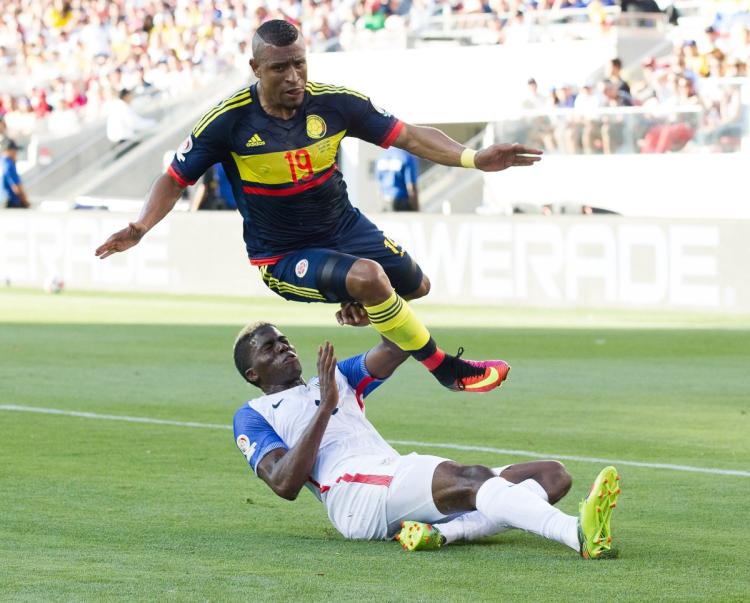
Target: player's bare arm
161, 200
287, 471
431, 143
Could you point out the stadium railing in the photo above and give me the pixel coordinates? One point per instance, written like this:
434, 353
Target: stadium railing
699, 128
539, 26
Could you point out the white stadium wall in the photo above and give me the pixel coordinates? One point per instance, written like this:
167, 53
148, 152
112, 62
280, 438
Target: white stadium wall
582, 262
458, 84
684, 185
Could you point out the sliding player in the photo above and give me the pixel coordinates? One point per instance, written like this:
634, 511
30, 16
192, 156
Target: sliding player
316, 434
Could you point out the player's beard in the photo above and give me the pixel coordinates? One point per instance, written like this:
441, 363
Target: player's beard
290, 103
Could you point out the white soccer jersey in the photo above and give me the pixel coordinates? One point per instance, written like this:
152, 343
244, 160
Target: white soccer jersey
350, 443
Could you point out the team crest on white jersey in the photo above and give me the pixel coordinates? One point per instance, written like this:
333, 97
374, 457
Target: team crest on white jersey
243, 443
301, 268
184, 148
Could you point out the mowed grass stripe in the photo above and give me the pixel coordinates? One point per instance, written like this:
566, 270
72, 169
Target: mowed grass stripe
449, 446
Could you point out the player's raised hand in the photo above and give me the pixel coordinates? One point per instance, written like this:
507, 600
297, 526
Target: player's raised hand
499, 157
353, 314
329, 393
122, 240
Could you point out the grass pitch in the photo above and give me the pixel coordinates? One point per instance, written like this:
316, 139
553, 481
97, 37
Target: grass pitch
94, 509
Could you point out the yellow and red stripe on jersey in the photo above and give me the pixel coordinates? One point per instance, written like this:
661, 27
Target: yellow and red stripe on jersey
294, 166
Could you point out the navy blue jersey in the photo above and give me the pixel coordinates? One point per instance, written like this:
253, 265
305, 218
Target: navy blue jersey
283, 172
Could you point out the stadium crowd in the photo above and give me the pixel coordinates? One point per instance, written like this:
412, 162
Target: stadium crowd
690, 99
66, 60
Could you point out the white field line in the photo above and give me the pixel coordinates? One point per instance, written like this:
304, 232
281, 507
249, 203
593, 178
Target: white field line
503, 451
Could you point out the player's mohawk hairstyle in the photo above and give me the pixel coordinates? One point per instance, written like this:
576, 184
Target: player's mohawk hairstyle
277, 32
243, 344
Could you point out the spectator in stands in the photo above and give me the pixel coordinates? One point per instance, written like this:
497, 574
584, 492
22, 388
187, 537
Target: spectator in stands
566, 129
214, 191
397, 172
614, 75
613, 126
533, 100
538, 131
644, 90
374, 16
723, 128
586, 105
640, 6
688, 59
517, 30
712, 41
13, 191
566, 96
124, 124
737, 68
673, 136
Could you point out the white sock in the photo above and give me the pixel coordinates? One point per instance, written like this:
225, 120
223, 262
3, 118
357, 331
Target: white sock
519, 508
469, 526
472, 525
535, 487
530, 484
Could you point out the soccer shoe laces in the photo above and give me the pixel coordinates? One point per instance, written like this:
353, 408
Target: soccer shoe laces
465, 370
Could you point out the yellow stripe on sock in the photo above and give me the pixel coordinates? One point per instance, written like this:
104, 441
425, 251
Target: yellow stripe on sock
386, 315
395, 320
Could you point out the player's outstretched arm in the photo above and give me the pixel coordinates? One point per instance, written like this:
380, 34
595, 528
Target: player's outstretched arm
287, 471
161, 199
431, 143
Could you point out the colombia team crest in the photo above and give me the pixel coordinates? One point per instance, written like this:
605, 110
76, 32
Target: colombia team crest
301, 268
316, 127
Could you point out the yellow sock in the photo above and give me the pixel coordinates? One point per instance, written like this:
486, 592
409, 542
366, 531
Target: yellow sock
394, 320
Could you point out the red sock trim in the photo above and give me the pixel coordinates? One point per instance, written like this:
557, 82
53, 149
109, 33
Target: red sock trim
432, 362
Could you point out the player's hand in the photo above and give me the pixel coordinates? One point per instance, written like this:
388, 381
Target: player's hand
329, 393
352, 314
498, 157
122, 240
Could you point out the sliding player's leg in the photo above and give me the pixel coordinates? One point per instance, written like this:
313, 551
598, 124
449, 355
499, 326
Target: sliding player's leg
463, 488
546, 479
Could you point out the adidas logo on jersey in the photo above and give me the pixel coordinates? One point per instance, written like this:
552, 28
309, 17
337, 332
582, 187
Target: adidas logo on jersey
255, 141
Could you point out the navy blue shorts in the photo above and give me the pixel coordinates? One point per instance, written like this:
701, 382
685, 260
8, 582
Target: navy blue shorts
319, 275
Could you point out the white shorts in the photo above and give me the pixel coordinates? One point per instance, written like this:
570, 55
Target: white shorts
410, 492
373, 496
356, 502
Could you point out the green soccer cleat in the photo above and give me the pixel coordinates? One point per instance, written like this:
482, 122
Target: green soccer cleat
418, 536
594, 513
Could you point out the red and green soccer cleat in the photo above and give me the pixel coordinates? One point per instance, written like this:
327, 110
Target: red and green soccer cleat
595, 512
493, 375
418, 536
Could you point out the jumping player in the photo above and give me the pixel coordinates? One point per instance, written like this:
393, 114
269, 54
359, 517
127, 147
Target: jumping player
316, 434
278, 140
